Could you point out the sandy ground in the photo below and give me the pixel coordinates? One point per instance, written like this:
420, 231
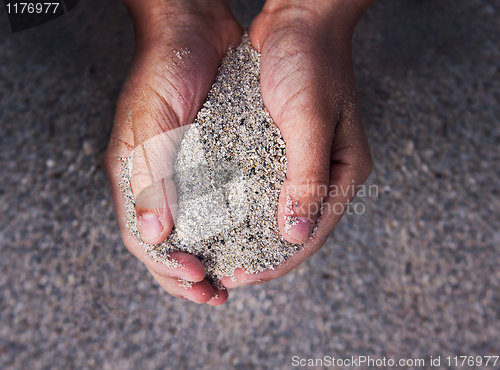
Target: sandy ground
416, 275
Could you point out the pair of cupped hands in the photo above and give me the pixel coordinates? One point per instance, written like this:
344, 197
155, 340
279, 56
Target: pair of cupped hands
308, 87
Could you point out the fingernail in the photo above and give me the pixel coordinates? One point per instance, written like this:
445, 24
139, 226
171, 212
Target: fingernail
298, 228
150, 226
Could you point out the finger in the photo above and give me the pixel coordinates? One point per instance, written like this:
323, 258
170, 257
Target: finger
151, 181
200, 292
232, 282
188, 267
304, 188
308, 137
220, 297
178, 265
243, 278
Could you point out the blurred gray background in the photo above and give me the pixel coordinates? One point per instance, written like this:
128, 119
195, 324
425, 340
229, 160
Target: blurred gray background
418, 274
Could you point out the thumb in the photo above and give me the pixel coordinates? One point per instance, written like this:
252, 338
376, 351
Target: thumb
154, 191
308, 148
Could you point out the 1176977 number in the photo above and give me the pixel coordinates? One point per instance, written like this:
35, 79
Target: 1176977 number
472, 361
31, 8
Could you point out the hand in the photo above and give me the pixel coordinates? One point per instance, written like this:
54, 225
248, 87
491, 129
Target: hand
308, 87
179, 47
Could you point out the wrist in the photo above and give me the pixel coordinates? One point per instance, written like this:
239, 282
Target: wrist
345, 13
154, 18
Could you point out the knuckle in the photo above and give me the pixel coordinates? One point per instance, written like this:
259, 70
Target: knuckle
310, 189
